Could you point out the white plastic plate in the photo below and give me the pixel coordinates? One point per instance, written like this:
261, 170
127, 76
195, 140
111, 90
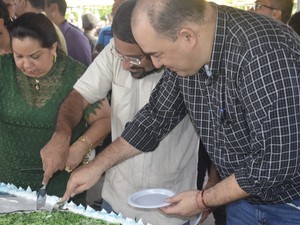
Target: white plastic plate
150, 198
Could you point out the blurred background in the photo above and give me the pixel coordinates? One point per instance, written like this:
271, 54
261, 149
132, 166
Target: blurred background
102, 9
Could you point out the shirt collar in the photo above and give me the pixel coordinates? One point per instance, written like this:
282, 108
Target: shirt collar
219, 40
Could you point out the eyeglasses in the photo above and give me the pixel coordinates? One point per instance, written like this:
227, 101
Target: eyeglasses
133, 60
258, 5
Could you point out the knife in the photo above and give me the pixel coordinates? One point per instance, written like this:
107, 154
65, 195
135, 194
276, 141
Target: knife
30, 169
41, 197
5, 194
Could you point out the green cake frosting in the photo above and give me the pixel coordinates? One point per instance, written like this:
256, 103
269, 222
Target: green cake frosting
48, 218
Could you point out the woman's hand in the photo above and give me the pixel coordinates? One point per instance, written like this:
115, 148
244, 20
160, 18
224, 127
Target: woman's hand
54, 155
77, 151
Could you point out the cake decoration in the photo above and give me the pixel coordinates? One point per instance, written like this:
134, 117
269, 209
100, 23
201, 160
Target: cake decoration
13, 200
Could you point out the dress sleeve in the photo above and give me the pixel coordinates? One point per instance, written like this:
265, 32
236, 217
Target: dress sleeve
7, 70
1, 72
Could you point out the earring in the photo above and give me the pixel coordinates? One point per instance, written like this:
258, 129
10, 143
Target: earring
54, 57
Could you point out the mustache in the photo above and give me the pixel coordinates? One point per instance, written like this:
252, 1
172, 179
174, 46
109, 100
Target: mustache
137, 68
141, 72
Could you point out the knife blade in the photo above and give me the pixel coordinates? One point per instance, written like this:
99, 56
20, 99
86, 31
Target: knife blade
5, 194
31, 169
41, 197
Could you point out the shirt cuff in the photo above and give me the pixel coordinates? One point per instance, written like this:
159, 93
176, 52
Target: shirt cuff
139, 138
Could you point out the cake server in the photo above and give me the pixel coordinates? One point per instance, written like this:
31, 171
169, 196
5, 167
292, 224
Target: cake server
41, 197
59, 206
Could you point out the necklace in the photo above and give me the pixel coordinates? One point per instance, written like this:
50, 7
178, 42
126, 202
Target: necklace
37, 85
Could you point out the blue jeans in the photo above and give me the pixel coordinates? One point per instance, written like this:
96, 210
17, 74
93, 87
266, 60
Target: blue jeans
242, 212
108, 209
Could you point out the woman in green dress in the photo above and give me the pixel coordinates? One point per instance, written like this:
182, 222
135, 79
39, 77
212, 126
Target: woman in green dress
34, 80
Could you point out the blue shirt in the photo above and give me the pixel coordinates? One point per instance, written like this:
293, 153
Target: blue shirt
105, 36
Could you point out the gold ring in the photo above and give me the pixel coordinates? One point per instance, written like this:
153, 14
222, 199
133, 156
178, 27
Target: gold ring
68, 169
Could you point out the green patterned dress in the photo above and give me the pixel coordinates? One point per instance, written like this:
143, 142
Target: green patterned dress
28, 110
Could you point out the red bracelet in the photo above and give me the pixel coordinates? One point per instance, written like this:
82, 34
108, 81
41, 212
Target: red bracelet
197, 199
202, 199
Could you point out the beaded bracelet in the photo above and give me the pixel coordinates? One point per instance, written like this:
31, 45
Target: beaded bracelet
202, 199
86, 140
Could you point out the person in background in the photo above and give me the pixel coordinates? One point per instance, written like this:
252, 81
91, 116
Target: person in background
106, 34
294, 22
125, 69
23, 6
280, 10
89, 22
37, 6
11, 8
35, 79
77, 43
5, 22
236, 74
104, 37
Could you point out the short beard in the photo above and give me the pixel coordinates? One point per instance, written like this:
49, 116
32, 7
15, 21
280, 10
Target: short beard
143, 73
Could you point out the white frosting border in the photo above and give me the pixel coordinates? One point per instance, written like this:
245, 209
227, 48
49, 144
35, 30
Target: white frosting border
72, 207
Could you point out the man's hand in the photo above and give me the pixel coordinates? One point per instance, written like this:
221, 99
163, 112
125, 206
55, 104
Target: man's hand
183, 204
82, 179
87, 175
54, 156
